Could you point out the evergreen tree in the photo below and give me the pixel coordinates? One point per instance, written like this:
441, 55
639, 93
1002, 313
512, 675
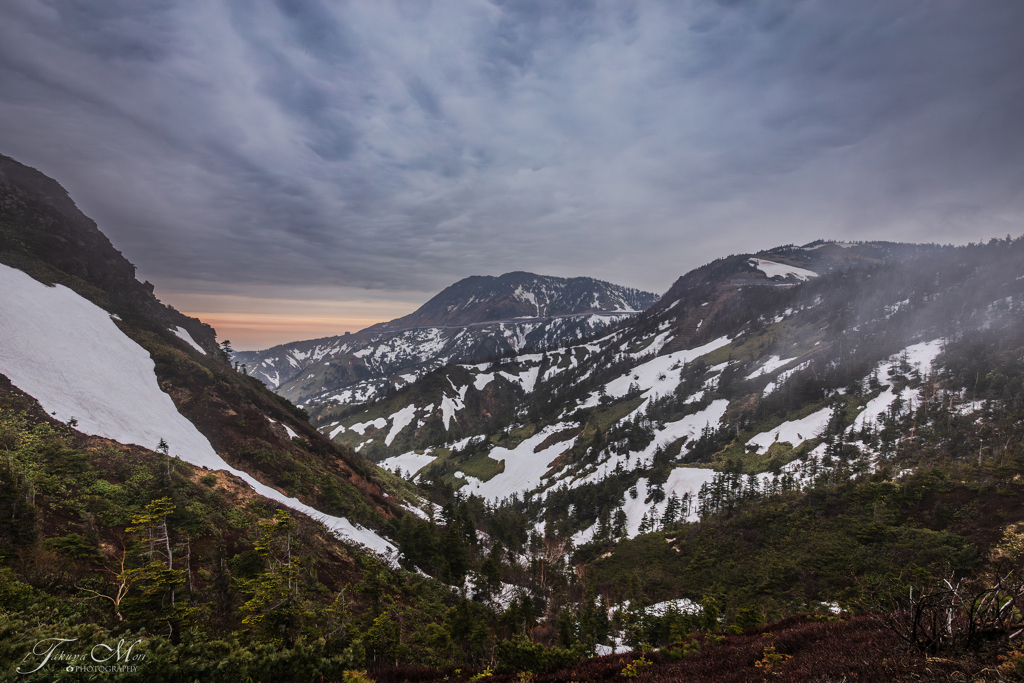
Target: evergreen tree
619, 523
671, 511
274, 595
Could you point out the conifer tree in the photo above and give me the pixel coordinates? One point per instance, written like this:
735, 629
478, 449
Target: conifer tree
159, 579
645, 524
619, 523
275, 592
671, 511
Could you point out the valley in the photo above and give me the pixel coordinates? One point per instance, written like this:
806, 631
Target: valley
527, 475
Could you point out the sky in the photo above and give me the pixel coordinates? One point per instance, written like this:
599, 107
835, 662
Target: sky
291, 169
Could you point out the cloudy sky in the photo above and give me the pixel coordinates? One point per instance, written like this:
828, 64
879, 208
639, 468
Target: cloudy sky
295, 168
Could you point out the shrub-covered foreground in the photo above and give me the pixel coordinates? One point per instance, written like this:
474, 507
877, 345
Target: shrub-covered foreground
802, 648
191, 573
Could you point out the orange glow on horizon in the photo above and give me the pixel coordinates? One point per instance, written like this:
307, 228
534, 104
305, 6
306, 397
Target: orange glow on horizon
256, 331
254, 322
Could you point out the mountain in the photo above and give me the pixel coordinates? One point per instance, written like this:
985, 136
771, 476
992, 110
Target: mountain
756, 365
475, 319
95, 347
833, 427
465, 400
518, 295
785, 439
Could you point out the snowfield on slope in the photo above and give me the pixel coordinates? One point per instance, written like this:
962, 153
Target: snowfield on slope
399, 421
657, 377
795, 431
183, 335
524, 469
688, 480
771, 365
920, 357
681, 481
410, 463
689, 426
68, 354
773, 269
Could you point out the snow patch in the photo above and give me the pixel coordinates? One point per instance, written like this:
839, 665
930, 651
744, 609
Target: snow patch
399, 421
183, 334
410, 462
527, 379
920, 357
783, 376
772, 269
795, 432
771, 365
524, 469
360, 427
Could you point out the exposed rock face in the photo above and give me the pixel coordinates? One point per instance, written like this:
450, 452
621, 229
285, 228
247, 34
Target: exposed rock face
40, 224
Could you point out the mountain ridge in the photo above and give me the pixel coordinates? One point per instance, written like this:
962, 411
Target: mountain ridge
474, 319
499, 303
46, 234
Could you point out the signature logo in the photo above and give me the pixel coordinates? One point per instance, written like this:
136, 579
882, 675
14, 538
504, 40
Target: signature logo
52, 649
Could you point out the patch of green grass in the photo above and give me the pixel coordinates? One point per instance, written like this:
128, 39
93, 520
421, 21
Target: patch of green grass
787, 339
478, 465
514, 437
616, 412
483, 467
777, 455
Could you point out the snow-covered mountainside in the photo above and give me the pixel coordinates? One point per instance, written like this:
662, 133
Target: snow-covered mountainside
70, 356
755, 373
475, 319
99, 352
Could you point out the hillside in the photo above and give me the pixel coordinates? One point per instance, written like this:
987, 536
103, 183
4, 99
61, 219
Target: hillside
93, 344
153, 494
842, 441
475, 319
824, 431
760, 365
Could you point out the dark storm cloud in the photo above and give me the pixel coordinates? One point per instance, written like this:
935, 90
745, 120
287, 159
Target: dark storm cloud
289, 143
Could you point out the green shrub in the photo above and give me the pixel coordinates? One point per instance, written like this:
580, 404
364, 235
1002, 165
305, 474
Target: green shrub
519, 654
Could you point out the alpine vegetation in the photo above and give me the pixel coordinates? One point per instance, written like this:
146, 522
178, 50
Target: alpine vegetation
803, 463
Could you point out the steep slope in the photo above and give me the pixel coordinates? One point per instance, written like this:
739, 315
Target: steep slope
475, 319
94, 346
756, 369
